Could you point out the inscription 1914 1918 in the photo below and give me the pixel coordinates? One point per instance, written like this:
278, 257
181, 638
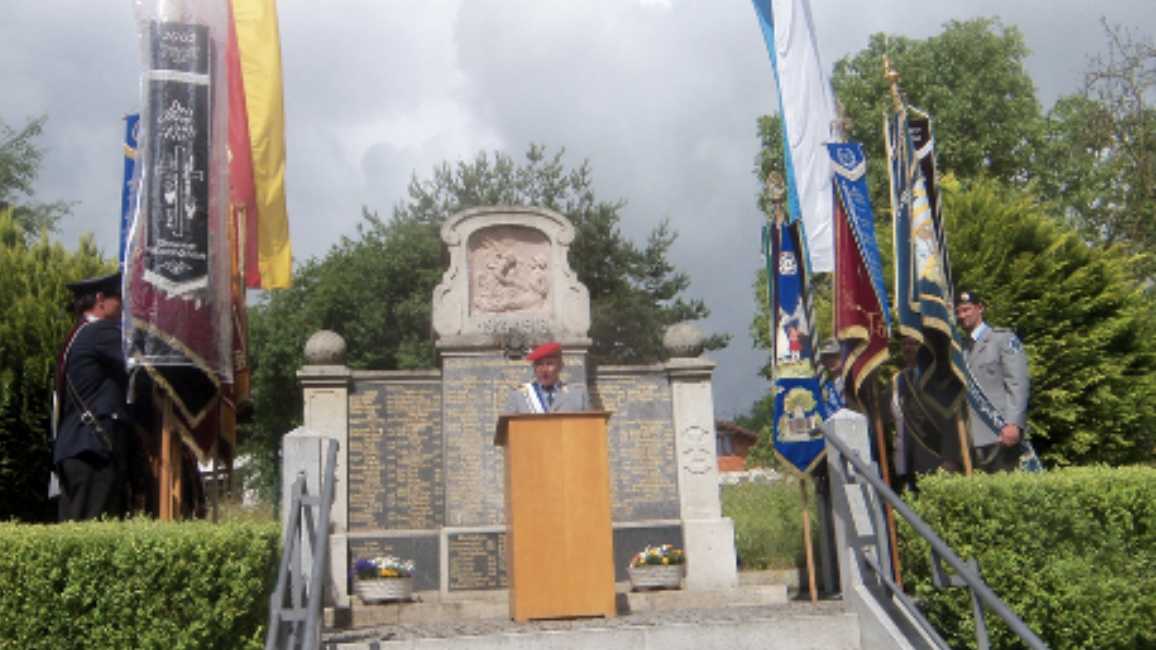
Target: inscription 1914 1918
527, 325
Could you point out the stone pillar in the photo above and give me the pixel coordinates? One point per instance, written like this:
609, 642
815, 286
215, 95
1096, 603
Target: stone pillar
325, 384
708, 537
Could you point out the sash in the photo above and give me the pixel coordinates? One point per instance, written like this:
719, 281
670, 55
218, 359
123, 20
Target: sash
58, 398
57, 395
533, 395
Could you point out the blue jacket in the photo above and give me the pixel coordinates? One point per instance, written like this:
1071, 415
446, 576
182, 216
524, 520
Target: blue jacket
95, 364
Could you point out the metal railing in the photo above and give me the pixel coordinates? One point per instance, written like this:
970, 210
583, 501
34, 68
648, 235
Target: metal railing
296, 606
878, 557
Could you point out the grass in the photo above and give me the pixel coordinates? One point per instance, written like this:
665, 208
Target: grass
769, 523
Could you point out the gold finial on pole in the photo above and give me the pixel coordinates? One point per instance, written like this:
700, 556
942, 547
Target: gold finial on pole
777, 190
892, 78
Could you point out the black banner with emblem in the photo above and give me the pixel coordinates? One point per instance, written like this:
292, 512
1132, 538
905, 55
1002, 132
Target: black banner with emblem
177, 194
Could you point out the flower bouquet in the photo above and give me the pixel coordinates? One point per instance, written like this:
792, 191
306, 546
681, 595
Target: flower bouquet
657, 567
382, 578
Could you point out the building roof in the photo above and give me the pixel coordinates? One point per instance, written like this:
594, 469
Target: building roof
724, 429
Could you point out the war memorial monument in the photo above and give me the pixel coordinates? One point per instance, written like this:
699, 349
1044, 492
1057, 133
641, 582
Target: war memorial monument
418, 474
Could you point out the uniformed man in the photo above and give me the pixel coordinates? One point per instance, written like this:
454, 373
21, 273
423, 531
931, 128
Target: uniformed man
997, 361
921, 446
548, 393
90, 420
831, 354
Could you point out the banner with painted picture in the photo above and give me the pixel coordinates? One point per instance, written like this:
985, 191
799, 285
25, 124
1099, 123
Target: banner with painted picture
799, 406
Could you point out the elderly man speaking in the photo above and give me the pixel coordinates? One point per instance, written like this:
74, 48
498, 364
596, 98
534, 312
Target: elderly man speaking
548, 393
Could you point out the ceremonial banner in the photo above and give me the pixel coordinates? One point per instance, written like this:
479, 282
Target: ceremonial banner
807, 108
259, 44
862, 319
178, 266
128, 189
925, 301
799, 406
243, 188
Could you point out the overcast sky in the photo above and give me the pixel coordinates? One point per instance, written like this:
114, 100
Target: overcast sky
661, 96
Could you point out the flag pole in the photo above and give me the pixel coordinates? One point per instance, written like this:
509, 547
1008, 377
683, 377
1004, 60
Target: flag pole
807, 539
964, 447
876, 411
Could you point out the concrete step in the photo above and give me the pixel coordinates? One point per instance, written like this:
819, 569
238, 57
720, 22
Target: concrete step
431, 607
751, 616
827, 626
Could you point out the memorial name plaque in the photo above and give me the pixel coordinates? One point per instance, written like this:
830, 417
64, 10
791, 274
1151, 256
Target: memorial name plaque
475, 390
477, 561
397, 481
643, 479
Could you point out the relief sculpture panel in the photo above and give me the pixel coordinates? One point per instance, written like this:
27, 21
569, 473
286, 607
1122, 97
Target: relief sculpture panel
509, 272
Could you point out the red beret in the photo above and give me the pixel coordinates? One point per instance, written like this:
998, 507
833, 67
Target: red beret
545, 350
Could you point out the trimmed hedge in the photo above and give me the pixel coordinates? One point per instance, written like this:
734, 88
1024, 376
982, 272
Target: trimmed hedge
136, 584
1072, 552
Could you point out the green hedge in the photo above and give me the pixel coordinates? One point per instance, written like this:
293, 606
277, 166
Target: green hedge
1072, 551
136, 584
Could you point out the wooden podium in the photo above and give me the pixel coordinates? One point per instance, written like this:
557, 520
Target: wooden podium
559, 542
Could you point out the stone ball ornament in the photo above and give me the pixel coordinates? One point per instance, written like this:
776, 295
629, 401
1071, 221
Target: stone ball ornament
683, 340
325, 348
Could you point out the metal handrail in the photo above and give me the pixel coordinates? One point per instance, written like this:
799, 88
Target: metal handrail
298, 624
967, 573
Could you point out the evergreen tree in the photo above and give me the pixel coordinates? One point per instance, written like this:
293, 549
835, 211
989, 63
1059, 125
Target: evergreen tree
33, 324
1087, 325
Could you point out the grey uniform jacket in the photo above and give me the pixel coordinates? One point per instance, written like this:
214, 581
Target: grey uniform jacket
566, 398
999, 365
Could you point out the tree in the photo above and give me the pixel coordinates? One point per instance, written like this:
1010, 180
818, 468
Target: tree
20, 160
1099, 164
376, 290
33, 275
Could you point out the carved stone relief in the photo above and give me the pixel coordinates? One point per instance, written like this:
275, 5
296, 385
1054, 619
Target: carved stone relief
509, 272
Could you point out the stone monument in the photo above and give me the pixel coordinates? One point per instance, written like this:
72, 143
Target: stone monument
419, 476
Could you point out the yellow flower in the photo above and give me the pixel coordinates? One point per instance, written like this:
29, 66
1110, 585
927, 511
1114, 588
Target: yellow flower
666, 560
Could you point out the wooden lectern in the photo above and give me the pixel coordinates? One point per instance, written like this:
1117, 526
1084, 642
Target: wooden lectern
559, 542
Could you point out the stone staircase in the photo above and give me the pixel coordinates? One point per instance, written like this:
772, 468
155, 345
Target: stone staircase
754, 615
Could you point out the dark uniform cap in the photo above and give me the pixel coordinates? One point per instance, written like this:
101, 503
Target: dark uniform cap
969, 297
830, 346
109, 285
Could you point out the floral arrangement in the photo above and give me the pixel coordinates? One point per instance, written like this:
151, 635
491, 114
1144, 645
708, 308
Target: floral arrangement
658, 555
382, 567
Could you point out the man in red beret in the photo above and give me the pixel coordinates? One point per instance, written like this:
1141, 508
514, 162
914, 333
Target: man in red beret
547, 394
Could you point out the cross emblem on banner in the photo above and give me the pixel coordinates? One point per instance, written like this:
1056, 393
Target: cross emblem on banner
179, 174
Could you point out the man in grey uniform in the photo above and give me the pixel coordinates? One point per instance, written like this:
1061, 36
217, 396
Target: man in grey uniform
548, 393
997, 361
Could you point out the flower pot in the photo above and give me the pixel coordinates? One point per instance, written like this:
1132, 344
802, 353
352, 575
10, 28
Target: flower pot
384, 589
655, 576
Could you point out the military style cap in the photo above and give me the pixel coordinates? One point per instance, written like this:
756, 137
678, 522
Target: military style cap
545, 350
830, 346
109, 285
968, 297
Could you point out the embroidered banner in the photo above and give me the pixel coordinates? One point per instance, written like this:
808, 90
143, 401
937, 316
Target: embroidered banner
862, 319
799, 406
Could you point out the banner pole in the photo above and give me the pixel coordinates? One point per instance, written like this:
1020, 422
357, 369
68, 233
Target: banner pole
964, 448
884, 469
807, 539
